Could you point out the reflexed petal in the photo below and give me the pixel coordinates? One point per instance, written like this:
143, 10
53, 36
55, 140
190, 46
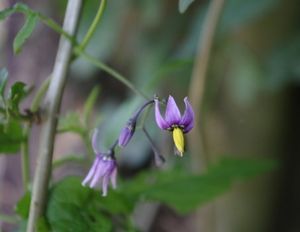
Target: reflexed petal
189, 127
94, 141
105, 185
172, 115
187, 121
91, 172
101, 170
113, 178
159, 119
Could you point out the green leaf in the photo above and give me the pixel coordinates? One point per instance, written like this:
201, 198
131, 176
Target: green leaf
16, 94
25, 32
70, 123
3, 80
10, 137
184, 5
186, 192
89, 104
22, 207
72, 207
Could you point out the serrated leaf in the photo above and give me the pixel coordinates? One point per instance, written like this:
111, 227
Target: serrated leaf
10, 137
25, 32
70, 123
185, 192
22, 207
184, 5
3, 80
16, 94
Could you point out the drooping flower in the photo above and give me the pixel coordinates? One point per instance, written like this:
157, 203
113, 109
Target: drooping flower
103, 170
173, 121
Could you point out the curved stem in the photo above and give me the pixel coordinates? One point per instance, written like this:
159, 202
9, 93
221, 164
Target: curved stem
93, 26
52, 105
110, 71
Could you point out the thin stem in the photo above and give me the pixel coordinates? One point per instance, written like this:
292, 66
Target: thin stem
110, 71
158, 158
36, 102
93, 26
25, 159
141, 109
52, 105
8, 218
197, 83
78, 50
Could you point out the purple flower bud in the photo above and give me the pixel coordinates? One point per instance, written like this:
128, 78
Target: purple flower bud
127, 133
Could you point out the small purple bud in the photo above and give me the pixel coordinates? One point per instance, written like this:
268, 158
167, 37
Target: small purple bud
127, 133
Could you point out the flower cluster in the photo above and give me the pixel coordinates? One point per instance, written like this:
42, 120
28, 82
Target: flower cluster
104, 168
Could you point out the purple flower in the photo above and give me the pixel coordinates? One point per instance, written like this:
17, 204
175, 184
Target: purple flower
127, 133
103, 170
173, 121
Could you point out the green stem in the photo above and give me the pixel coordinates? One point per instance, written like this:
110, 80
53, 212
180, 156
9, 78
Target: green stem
25, 158
36, 102
93, 26
110, 71
26, 133
8, 218
78, 50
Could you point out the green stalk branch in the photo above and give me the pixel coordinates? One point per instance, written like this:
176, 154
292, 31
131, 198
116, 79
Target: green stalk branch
52, 105
93, 26
25, 159
110, 71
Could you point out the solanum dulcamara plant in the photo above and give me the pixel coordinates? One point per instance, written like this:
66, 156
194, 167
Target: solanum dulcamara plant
104, 167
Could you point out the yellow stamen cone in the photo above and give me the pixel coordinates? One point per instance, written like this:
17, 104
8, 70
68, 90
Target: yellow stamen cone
178, 140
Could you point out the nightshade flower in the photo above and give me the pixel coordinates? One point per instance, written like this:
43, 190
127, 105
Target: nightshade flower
173, 121
103, 170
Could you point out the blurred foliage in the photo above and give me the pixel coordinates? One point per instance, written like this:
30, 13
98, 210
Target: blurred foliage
74, 208
11, 117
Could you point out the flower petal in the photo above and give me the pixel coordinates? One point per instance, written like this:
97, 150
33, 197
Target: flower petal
105, 185
172, 115
159, 119
91, 172
113, 178
101, 170
187, 120
94, 140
